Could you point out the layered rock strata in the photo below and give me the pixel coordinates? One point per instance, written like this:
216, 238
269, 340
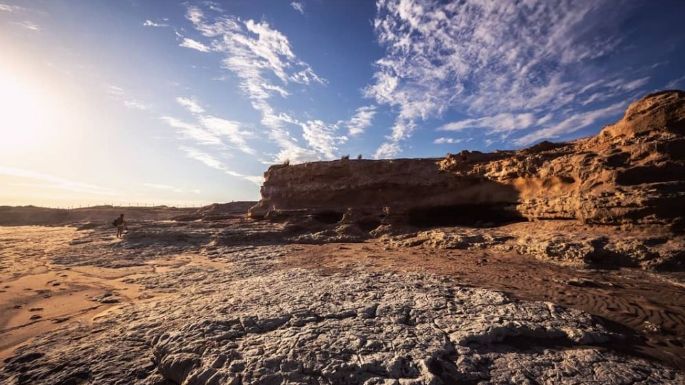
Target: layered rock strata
632, 172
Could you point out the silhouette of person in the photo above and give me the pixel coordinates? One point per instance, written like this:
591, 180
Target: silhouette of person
120, 223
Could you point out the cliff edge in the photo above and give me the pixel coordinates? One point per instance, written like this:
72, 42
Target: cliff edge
632, 172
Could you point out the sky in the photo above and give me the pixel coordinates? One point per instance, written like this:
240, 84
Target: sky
187, 103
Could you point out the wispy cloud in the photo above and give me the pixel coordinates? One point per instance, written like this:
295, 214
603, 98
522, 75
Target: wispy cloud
26, 24
322, 138
504, 66
212, 162
9, 8
266, 66
504, 122
190, 104
387, 150
155, 24
443, 140
118, 93
298, 6
361, 120
231, 130
573, 123
56, 182
194, 44
135, 105
192, 131
210, 129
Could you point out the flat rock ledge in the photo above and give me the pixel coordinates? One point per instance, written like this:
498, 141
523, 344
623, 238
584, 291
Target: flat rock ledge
256, 324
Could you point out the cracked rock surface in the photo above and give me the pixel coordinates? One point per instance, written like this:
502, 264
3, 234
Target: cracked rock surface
252, 322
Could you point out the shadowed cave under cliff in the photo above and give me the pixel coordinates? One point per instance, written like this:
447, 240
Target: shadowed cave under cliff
470, 215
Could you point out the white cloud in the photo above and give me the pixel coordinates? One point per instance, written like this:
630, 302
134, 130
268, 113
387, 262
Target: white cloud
31, 26
635, 84
504, 122
210, 161
263, 60
192, 131
387, 150
136, 105
214, 128
298, 6
194, 44
190, 104
361, 120
443, 140
153, 24
572, 124
230, 130
9, 8
203, 157
322, 137
506, 66
210, 130
52, 181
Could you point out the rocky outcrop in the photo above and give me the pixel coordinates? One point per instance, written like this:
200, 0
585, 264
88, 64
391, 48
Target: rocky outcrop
632, 172
374, 192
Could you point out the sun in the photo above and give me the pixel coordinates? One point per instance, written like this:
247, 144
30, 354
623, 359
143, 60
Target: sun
27, 114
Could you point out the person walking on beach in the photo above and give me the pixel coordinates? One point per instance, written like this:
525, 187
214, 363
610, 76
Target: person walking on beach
120, 224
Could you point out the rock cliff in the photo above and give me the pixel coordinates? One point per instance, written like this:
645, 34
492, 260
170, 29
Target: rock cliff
632, 172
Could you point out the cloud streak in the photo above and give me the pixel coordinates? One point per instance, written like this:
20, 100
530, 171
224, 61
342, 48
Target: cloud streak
572, 124
443, 140
194, 44
190, 104
153, 24
298, 6
27, 24
210, 130
361, 120
9, 8
212, 162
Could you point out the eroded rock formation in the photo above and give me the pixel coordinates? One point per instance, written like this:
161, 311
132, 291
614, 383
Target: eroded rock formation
632, 172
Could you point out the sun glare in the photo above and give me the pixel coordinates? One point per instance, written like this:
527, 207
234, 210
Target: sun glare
29, 118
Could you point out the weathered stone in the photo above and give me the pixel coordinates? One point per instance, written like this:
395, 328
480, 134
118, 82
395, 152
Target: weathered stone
632, 172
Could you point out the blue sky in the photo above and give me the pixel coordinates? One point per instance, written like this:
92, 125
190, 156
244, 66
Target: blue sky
189, 102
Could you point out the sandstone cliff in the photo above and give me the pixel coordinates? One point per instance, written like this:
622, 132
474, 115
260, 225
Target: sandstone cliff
632, 172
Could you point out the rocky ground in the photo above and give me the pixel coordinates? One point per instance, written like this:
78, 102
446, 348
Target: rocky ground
232, 301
